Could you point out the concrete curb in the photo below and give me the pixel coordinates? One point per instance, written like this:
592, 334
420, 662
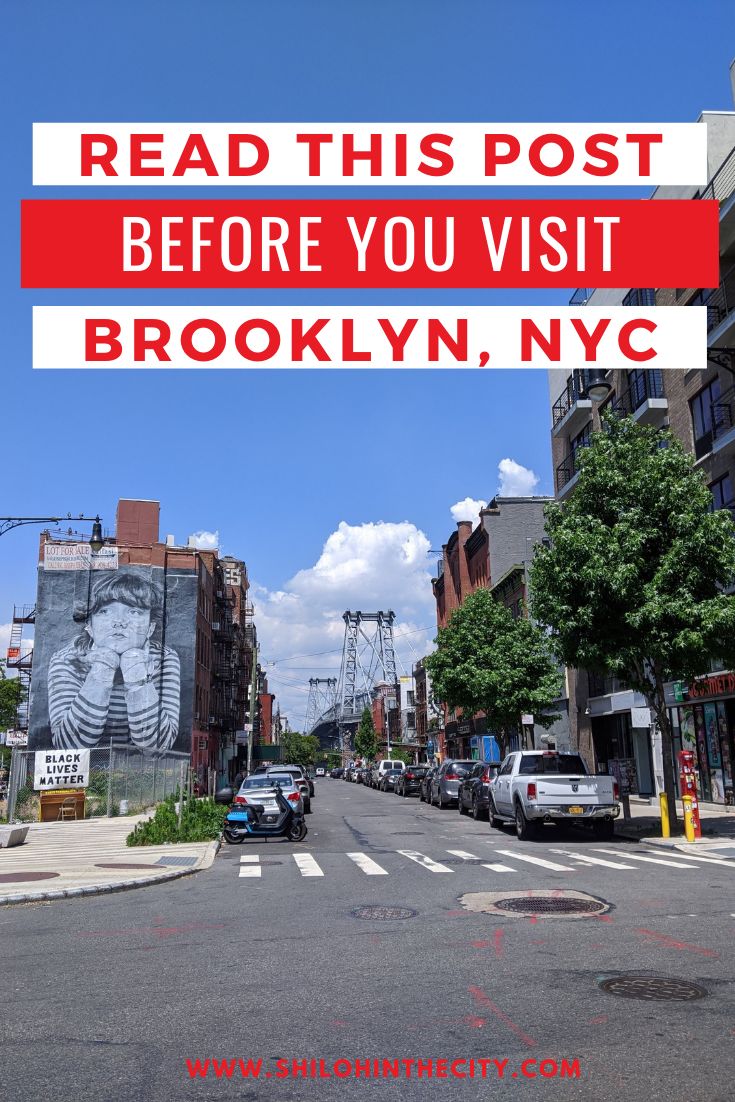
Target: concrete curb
117, 885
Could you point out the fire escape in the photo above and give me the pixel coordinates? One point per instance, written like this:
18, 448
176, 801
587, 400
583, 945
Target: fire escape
20, 658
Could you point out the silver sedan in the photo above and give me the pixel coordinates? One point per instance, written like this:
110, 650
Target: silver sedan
260, 790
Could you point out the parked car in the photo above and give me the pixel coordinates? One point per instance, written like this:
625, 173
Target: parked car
473, 793
298, 775
259, 789
321, 771
364, 776
445, 782
409, 782
549, 786
384, 764
388, 780
425, 784
337, 772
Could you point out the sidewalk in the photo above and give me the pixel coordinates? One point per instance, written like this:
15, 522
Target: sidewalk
718, 826
59, 860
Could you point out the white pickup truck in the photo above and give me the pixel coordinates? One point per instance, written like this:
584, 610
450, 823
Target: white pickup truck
548, 786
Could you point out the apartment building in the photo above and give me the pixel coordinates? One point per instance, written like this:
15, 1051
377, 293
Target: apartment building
610, 723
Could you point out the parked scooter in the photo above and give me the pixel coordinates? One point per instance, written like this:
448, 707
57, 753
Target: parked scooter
246, 822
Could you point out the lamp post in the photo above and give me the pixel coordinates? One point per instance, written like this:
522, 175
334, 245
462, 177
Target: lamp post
96, 540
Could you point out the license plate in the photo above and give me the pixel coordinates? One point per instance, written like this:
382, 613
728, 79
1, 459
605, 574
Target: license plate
576, 810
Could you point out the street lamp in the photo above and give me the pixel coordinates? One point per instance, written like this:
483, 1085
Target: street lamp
594, 384
96, 541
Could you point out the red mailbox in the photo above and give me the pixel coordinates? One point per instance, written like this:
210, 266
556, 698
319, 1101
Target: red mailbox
688, 786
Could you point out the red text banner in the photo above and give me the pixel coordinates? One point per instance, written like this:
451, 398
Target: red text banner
279, 244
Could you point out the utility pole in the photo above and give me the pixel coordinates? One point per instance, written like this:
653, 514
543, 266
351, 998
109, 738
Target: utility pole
253, 706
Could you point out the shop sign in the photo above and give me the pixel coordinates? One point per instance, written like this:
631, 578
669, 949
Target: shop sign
640, 717
680, 692
16, 738
464, 729
715, 684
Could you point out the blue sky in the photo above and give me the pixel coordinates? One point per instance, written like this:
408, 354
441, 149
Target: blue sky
275, 462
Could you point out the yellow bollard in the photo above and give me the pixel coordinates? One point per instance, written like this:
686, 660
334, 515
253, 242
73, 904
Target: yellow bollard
665, 825
688, 823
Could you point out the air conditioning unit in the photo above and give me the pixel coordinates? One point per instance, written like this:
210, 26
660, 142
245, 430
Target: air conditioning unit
213, 720
215, 625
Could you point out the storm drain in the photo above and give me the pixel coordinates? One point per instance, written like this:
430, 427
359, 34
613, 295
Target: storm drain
541, 903
183, 861
383, 914
653, 988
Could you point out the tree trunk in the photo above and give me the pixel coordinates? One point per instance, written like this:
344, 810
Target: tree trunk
667, 747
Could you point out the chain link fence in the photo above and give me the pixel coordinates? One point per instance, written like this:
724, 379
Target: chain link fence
122, 780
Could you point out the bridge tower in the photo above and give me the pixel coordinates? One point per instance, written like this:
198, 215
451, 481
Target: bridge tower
368, 656
322, 696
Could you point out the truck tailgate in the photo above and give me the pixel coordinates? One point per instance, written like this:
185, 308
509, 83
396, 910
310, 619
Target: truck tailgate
589, 791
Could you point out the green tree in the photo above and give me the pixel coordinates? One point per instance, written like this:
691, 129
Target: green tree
366, 741
297, 749
488, 661
11, 695
632, 583
333, 758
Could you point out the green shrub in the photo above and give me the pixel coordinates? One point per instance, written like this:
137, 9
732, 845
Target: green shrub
201, 821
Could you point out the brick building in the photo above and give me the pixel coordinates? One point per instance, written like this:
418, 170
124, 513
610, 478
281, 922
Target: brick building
608, 721
494, 554
217, 631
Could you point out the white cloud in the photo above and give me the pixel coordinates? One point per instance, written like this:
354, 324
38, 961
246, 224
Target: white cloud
367, 566
205, 541
469, 509
515, 480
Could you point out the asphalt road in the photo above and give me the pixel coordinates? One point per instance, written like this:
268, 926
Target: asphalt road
106, 998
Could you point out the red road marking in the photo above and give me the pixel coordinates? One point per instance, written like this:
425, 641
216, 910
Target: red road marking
599, 1020
672, 943
480, 944
498, 942
603, 918
480, 997
476, 1023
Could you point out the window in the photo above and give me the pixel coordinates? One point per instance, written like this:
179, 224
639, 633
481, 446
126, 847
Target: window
640, 296
721, 491
701, 407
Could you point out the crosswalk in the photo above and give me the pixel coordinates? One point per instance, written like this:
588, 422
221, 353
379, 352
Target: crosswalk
252, 866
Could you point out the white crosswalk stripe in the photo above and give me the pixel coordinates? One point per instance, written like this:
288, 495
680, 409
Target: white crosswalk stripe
535, 861
251, 867
587, 860
652, 860
700, 858
307, 865
368, 866
424, 861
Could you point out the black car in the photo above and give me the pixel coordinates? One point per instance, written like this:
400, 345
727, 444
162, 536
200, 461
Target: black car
409, 782
474, 789
389, 779
364, 776
337, 772
425, 784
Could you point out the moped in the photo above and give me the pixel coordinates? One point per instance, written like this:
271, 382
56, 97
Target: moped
247, 821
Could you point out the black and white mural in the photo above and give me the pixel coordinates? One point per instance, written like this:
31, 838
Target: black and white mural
113, 659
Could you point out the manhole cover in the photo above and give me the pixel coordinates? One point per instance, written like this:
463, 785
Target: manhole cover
542, 905
658, 988
120, 865
383, 914
536, 903
25, 877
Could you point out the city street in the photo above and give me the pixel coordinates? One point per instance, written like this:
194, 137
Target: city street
263, 957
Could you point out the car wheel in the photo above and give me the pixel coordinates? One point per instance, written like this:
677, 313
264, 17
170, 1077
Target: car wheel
441, 802
525, 828
476, 813
604, 830
495, 821
460, 805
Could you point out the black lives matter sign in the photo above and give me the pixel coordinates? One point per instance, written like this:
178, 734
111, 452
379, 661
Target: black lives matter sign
60, 769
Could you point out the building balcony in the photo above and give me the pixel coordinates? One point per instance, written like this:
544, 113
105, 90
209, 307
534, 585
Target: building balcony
720, 304
568, 471
723, 421
722, 188
644, 400
570, 412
